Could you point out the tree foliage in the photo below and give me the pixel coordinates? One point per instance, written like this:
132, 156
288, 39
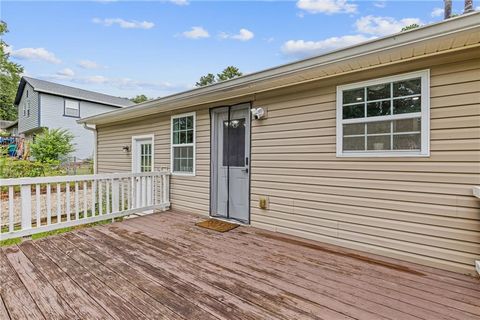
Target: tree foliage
52, 145
9, 79
410, 27
139, 98
229, 72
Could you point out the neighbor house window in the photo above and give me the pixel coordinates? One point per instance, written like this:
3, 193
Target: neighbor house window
183, 144
384, 117
28, 107
72, 108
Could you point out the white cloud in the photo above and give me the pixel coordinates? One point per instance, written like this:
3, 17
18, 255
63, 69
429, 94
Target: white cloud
67, 72
380, 4
242, 35
89, 64
327, 6
437, 12
180, 2
125, 24
382, 26
196, 33
35, 54
302, 48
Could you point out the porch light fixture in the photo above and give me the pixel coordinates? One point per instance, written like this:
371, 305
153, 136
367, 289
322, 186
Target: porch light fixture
258, 113
126, 149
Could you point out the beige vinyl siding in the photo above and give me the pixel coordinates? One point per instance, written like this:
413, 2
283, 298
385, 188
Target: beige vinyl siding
416, 209
187, 193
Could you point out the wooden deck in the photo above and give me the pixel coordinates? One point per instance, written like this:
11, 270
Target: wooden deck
163, 267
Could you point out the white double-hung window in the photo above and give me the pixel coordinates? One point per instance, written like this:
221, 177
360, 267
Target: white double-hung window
384, 117
72, 108
183, 144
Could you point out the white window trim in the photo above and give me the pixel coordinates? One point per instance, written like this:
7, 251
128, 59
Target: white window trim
134, 149
425, 116
194, 144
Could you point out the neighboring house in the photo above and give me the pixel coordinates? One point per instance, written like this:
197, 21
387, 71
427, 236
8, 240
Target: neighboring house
44, 104
9, 126
374, 147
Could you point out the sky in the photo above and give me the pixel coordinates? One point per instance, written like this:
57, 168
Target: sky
157, 48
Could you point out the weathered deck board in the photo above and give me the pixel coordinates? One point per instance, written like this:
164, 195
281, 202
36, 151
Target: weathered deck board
339, 285
163, 267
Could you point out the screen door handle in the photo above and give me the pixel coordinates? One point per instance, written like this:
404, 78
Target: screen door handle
245, 170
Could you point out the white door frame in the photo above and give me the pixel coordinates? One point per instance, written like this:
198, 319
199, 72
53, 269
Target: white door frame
134, 150
214, 149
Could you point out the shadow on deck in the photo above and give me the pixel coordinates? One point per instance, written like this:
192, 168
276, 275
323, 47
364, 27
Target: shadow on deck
161, 266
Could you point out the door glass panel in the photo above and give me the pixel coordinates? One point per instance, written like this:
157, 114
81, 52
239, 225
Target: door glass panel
234, 143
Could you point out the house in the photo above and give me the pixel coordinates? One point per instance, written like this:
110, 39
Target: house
375, 147
44, 104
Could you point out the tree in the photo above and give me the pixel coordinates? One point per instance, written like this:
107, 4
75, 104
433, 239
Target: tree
447, 4
410, 27
9, 79
229, 72
206, 80
468, 7
52, 145
139, 98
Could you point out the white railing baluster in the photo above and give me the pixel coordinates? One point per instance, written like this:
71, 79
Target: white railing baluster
115, 195
112, 195
129, 194
26, 200
67, 204
94, 197
107, 196
100, 198
59, 205
77, 195
143, 193
11, 199
122, 190
85, 191
134, 193
49, 204
38, 205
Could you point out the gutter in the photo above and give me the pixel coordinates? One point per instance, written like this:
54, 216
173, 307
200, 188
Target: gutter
95, 144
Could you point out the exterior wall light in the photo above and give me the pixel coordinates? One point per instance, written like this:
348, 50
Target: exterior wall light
258, 113
126, 149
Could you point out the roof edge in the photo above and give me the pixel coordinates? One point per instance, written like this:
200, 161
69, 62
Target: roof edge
431, 31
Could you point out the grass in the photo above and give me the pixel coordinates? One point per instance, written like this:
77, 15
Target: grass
14, 241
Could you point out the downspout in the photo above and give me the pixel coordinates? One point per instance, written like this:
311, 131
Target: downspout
94, 130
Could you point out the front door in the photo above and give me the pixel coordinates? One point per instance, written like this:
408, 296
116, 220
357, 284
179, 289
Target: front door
230, 154
142, 161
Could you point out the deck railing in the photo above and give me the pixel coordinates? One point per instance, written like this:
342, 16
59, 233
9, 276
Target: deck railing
35, 205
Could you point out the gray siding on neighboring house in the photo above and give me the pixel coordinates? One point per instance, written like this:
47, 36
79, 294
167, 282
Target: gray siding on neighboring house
52, 116
28, 122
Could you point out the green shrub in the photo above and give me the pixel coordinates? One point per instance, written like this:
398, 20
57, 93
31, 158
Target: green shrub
12, 168
52, 145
